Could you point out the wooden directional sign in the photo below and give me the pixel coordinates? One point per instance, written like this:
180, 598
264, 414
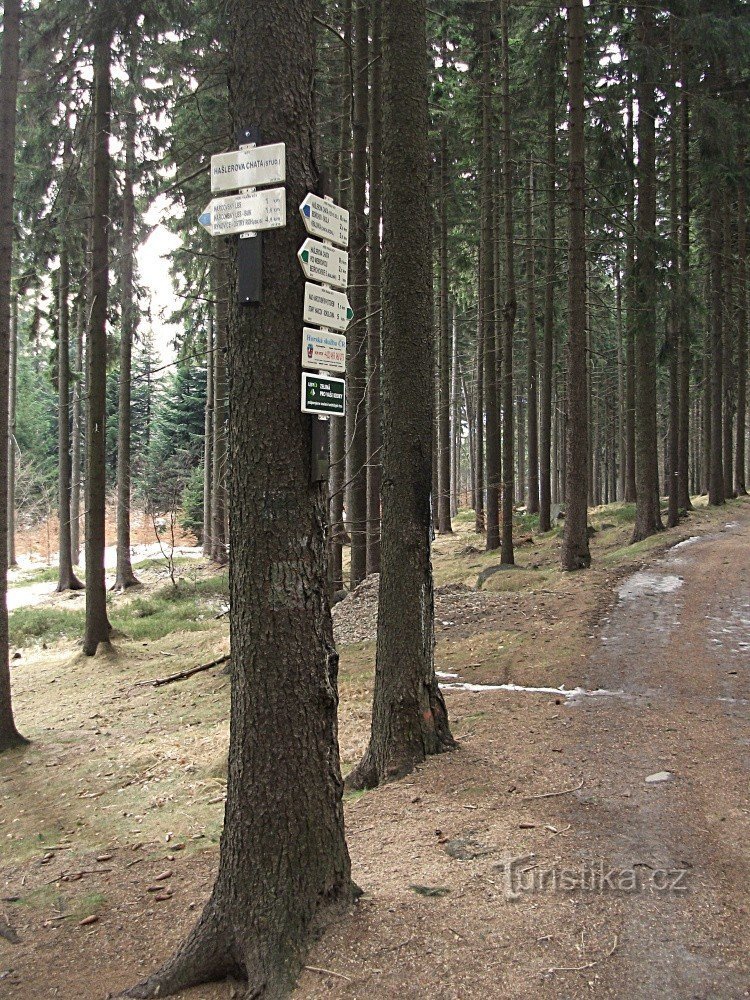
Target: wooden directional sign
324, 307
246, 168
324, 350
324, 219
245, 213
324, 395
324, 263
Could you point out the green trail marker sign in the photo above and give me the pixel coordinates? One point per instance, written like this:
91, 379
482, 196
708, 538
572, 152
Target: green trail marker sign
326, 307
324, 263
323, 395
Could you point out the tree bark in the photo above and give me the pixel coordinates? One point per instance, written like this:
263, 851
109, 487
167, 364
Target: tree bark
283, 865
12, 399
219, 476
716, 467
630, 305
97, 623
575, 546
125, 577
532, 506
673, 324
648, 515
374, 324
208, 436
685, 362
545, 396
76, 433
409, 720
728, 354
9, 735
356, 359
740, 484
509, 307
444, 358
337, 475
455, 418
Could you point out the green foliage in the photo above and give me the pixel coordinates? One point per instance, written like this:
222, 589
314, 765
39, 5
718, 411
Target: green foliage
192, 504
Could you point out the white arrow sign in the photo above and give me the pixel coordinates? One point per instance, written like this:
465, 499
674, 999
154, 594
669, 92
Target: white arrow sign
323, 350
245, 213
323, 218
324, 307
246, 168
324, 263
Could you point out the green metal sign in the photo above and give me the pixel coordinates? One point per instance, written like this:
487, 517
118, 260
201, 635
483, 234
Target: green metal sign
323, 394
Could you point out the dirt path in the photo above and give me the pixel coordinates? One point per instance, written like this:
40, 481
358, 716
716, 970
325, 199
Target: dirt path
536, 862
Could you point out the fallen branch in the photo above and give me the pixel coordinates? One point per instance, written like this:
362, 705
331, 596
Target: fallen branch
183, 674
550, 795
588, 965
327, 972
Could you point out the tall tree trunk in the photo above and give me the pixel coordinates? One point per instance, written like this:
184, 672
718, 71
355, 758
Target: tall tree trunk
673, 324
509, 307
575, 546
125, 577
545, 395
374, 323
97, 623
630, 303
208, 437
218, 503
740, 484
455, 418
337, 475
728, 359
621, 382
12, 399
66, 578
648, 515
77, 434
356, 371
532, 506
479, 518
683, 460
9, 735
487, 288
283, 864
716, 467
409, 719
444, 354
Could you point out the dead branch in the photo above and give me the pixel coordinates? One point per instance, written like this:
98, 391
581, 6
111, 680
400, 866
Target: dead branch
183, 674
550, 795
588, 965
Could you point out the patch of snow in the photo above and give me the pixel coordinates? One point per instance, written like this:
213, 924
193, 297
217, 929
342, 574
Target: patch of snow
685, 542
569, 694
646, 584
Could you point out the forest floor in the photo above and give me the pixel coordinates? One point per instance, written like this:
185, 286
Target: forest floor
586, 840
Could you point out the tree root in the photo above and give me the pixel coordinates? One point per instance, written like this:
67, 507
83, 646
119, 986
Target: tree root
202, 958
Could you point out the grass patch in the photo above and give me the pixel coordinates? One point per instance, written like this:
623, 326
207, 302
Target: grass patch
29, 625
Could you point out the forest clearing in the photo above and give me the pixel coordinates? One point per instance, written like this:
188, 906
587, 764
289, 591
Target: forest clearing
374, 515
113, 814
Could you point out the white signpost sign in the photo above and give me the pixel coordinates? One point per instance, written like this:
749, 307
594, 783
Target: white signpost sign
324, 263
323, 350
249, 167
326, 307
243, 213
324, 219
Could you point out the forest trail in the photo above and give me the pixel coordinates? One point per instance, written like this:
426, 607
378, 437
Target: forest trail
482, 871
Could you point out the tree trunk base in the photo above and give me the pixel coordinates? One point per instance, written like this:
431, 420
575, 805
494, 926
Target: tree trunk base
394, 761
12, 741
212, 953
125, 580
69, 583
